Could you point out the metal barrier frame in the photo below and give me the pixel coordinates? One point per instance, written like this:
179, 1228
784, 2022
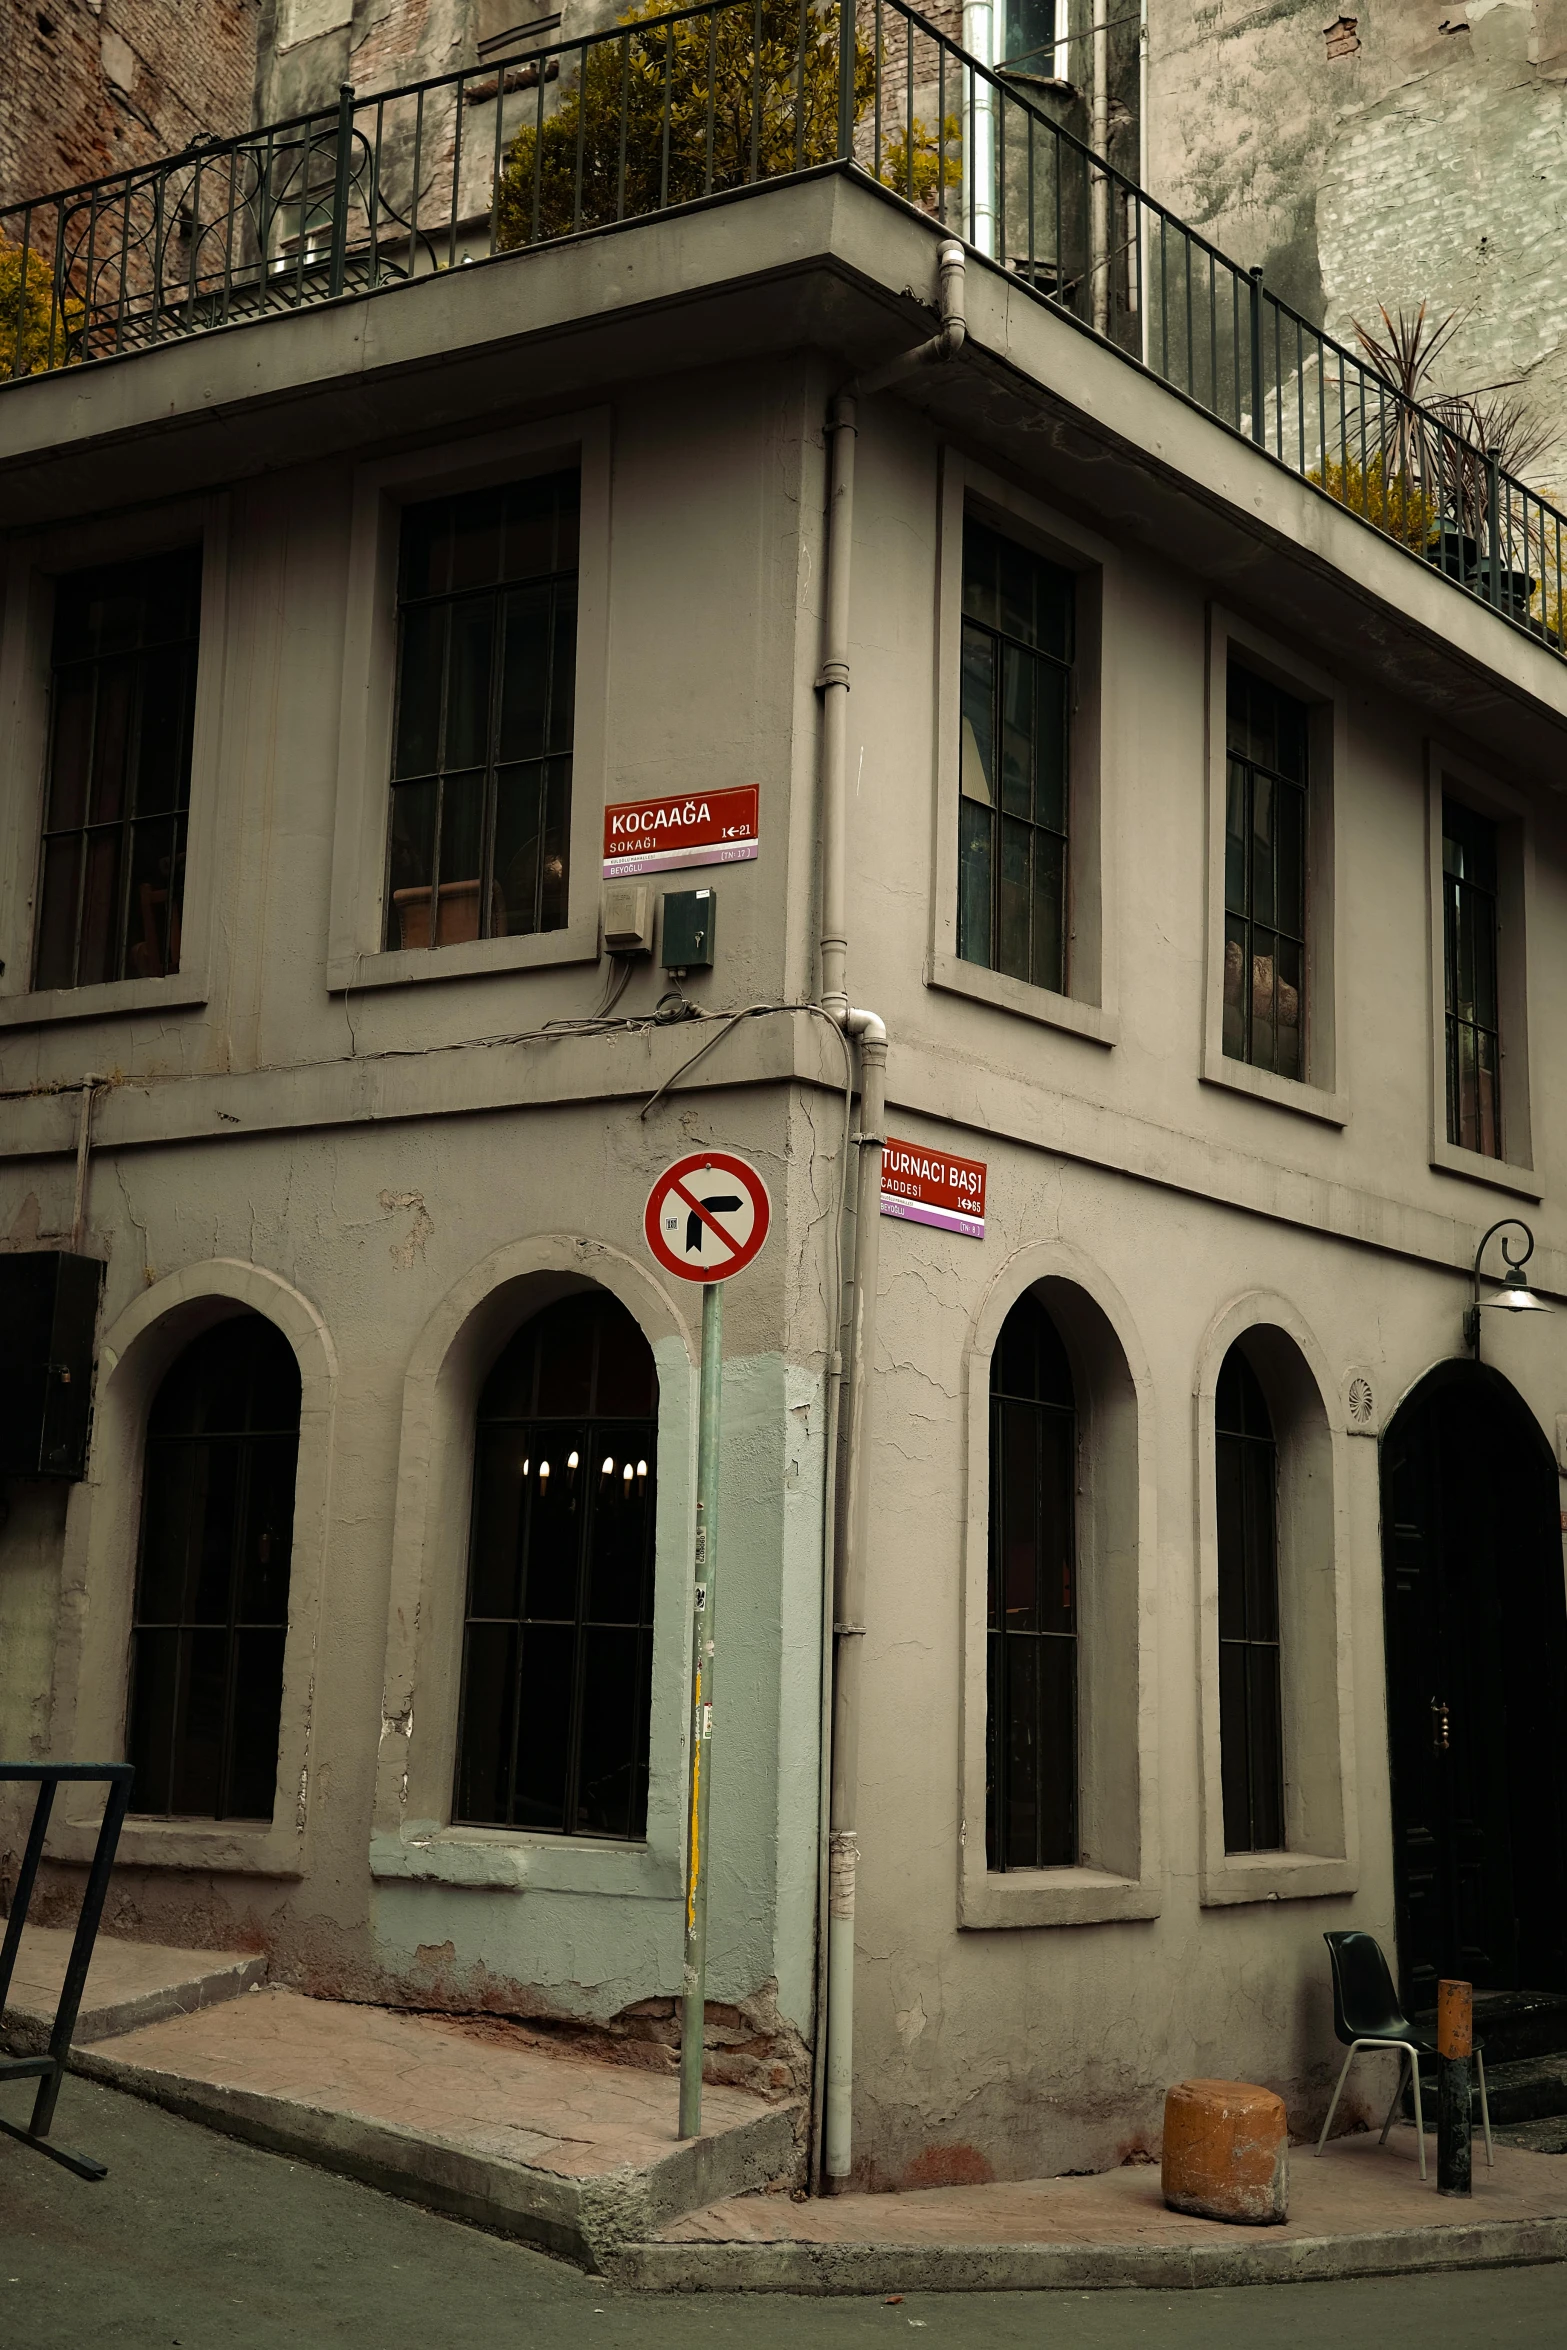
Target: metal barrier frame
49, 2069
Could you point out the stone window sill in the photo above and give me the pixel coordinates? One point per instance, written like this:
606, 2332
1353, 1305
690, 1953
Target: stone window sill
1285, 1093
1276, 1876
496, 1860
250, 1848
109, 998
1053, 1897
406, 966
951, 975
1449, 1159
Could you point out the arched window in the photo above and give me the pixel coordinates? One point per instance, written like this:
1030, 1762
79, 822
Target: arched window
1251, 1723
558, 1645
1031, 1715
211, 1615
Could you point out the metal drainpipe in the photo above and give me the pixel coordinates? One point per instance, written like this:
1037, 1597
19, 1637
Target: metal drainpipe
89, 1092
843, 1564
1099, 140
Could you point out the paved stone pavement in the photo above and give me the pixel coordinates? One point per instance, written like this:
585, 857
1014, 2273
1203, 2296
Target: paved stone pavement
197, 2243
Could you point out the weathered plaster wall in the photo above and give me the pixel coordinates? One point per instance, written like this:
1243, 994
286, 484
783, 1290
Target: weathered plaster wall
1423, 165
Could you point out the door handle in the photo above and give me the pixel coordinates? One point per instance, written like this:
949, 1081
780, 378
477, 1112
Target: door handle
1441, 1726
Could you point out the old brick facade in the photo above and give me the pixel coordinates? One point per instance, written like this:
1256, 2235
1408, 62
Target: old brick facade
89, 87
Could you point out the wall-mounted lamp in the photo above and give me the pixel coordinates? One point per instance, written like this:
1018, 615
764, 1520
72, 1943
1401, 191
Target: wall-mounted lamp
1515, 1296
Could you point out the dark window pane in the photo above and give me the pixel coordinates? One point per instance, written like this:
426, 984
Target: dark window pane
1235, 1002
487, 685
1250, 1719
155, 1657
1057, 1753
1289, 1027
1234, 1746
1013, 760
612, 1709
1237, 826
566, 1507
421, 678
1020, 1752
489, 1702
97, 953
212, 1573
258, 1700
1265, 876
1267, 1747
62, 882
544, 1709
124, 664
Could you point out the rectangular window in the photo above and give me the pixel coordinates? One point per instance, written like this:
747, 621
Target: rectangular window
1470, 931
1251, 1712
122, 709
1029, 37
1013, 769
1265, 875
486, 688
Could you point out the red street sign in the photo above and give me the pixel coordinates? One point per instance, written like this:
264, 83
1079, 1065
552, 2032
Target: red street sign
681, 828
933, 1187
707, 1216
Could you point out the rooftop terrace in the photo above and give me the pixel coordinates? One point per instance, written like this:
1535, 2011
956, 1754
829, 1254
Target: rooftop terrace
672, 112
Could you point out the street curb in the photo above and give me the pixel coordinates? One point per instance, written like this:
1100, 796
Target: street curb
588, 2220
794, 2267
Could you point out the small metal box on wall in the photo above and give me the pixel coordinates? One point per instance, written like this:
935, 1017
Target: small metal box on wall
689, 923
48, 1316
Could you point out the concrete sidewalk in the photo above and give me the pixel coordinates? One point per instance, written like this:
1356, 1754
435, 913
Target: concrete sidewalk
1358, 2211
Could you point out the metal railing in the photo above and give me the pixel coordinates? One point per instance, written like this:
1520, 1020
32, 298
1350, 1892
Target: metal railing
566, 137
49, 2068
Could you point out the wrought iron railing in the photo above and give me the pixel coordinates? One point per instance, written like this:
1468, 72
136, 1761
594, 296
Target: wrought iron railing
566, 137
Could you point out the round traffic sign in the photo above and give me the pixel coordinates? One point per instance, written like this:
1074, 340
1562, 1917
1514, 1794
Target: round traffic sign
707, 1216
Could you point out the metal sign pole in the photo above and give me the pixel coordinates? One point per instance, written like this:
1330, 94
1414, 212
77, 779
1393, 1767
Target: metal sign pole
698, 1857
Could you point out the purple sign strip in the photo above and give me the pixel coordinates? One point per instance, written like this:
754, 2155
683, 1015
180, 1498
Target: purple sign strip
946, 1219
666, 860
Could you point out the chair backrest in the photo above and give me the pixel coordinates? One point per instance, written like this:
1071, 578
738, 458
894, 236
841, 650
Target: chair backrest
1365, 2004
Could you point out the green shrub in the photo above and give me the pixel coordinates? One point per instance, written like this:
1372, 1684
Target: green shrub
1381, 495
31, 317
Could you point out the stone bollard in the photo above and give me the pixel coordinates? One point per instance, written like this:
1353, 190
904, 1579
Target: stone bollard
1226, 2152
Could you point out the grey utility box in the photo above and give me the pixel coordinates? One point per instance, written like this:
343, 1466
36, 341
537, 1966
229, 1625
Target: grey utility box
689, 918
48, 1315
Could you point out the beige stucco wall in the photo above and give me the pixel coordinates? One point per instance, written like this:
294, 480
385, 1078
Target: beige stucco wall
265, 1128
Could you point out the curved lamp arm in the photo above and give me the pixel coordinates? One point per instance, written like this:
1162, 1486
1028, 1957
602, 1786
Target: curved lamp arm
1515, 1264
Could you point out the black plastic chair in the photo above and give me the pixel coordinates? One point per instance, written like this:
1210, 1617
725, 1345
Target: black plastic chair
1366, 2014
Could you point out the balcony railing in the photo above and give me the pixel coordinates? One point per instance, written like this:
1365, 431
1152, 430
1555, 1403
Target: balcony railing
568, 137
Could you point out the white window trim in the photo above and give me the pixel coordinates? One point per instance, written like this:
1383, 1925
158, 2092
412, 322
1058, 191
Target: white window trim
1330, 1862
1447, 773
1323, 1094
1091, 1008
413, 1836
356, 957
1089, 1894
26, 639
99, 1571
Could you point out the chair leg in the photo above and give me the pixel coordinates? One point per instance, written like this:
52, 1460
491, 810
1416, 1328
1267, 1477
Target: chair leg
1333, 2106
1403, 2071
1485, 2113
1420, 2126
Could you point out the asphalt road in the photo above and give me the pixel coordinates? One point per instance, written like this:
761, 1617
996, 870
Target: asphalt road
198, 2243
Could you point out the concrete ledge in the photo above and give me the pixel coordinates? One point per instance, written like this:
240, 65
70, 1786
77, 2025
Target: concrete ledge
589, 2219
129, 1984
1042, 2268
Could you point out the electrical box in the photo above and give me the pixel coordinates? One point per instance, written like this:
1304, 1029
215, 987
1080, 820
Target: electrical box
48, 1315
628, 918
689, 917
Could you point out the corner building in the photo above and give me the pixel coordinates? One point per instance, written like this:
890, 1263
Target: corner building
1204, 859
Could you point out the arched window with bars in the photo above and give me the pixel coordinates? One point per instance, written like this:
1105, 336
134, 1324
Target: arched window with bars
212, 1574
1031, 1715
558, 1639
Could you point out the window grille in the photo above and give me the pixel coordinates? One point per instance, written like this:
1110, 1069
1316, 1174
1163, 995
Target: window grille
1469, 927
1265, 876
486, 685
558, 1644
1013, 801
1251, 1720
122, 704
212, 1576
1031, 1725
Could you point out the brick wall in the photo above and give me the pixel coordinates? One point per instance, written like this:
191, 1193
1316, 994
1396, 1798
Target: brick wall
89, 87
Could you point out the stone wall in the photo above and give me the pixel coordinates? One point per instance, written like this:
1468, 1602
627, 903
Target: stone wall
1403, 154
95, 86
